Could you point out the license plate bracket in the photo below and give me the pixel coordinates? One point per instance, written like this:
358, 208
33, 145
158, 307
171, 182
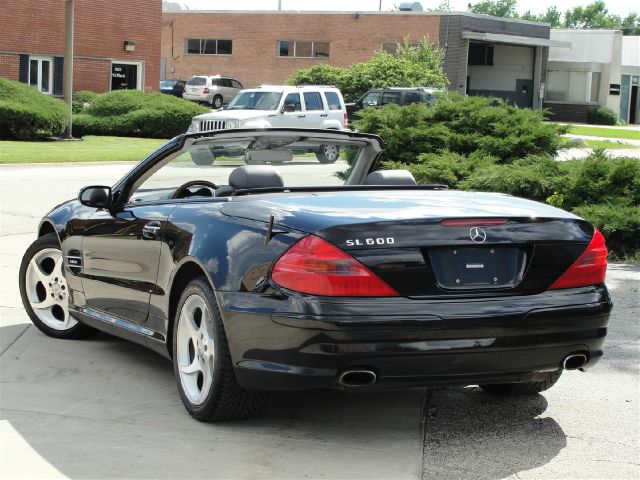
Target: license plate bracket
477, 267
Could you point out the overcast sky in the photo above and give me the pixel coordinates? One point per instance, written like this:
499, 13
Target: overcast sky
618, 7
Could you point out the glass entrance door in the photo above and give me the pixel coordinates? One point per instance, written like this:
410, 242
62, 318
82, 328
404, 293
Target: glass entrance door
124, 76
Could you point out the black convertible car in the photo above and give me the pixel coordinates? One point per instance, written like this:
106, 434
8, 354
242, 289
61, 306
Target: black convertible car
277, 275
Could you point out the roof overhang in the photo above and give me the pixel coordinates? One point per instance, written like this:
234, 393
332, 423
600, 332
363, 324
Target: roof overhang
514, 39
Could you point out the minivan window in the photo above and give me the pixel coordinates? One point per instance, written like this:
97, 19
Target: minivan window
236, 84
313, 101
333, 101
197, 81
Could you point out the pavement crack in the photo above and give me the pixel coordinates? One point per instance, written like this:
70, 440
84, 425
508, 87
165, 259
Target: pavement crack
26, 327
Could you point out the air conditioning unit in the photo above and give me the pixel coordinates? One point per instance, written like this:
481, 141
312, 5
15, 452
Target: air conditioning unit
411, 7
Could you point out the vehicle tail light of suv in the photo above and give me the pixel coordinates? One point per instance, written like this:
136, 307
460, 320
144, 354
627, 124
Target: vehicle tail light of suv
590, 267
205, 90
317, 267
346, 120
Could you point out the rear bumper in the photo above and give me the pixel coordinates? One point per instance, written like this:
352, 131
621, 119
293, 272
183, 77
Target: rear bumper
302, 342
196, 97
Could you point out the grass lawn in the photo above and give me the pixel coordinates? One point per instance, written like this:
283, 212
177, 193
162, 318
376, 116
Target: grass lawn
604, 132
89, 149
608, 145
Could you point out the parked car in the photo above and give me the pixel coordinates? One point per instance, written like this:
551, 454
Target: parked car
278, 106
173, 87
213, 90
251, 278
379, 97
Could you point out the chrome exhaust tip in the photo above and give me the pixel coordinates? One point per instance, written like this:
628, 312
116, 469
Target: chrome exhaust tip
574, 361
357, 378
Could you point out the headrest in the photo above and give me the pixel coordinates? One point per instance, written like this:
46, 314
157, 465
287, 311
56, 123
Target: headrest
390, 177
255, 176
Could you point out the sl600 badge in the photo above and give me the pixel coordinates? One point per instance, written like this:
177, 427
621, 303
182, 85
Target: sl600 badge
371, 241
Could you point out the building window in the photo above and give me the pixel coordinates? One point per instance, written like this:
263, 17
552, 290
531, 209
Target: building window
300, 49
40, 73
208, 46
595, 87
563, 86
480, 54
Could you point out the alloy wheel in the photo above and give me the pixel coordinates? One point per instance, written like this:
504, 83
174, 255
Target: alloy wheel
47, 290
195, 349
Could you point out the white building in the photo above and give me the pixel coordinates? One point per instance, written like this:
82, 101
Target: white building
600, 68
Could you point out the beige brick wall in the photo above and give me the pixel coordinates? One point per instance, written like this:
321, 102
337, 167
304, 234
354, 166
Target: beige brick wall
255, 36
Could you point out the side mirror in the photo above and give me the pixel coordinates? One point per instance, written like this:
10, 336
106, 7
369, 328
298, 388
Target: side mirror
289, 108
95, 196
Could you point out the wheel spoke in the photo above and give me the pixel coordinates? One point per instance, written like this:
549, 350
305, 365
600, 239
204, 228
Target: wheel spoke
46, 303
37, 271
193, 367
57, 269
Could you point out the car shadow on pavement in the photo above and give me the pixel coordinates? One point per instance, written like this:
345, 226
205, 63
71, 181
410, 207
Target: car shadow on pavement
107, 408
470, 434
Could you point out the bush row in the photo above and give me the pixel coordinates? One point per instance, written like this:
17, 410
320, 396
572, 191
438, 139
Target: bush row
133, 113
26, 114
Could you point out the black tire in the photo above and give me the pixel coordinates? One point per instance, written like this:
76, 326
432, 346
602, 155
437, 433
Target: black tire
226, 399
79, 330
216, 102
328, 153
202, 157
519, 389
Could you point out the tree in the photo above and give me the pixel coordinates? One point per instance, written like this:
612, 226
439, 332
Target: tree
552, 16
497, 8
411, 66
594, 15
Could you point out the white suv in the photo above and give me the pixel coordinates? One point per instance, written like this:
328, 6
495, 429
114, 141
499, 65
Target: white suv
281, 106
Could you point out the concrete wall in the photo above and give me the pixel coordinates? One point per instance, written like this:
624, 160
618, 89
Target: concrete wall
630, 55
37, 27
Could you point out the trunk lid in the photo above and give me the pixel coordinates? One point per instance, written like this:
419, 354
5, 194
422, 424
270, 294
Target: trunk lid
503, 245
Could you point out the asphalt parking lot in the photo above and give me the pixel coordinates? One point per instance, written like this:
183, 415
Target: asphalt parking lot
104, 408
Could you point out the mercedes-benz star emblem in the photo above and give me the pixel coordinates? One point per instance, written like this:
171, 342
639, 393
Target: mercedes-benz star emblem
477, 234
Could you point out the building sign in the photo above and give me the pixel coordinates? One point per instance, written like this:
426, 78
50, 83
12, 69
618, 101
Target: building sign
124, 76
614, 89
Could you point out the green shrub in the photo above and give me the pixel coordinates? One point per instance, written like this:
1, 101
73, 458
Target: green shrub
410, 66
462, 125
601, 116
26, 114
80, 98
620, 225
133, 113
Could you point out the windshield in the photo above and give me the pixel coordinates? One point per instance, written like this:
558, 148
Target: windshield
300, 162
167, 83
255, 101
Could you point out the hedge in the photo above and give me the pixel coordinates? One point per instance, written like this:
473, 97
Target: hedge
601, 116
133, 113
27, 114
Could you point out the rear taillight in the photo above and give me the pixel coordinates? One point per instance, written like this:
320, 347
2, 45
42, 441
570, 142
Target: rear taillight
205, 90
316, 267
590, 267
346, 120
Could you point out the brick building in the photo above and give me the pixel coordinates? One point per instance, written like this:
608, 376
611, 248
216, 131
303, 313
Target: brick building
484, 55
33, 38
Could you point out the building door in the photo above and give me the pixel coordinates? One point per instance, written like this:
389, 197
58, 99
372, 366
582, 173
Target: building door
524, 93
125, 76
633, 106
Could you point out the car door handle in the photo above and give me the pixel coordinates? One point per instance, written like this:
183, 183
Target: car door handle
301, 116
151, 230
324, 114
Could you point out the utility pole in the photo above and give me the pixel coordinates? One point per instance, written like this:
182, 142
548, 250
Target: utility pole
68, 64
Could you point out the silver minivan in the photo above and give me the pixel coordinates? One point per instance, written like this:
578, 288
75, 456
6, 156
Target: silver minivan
212, 89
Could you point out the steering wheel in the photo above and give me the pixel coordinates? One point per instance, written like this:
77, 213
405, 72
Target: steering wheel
183, 191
